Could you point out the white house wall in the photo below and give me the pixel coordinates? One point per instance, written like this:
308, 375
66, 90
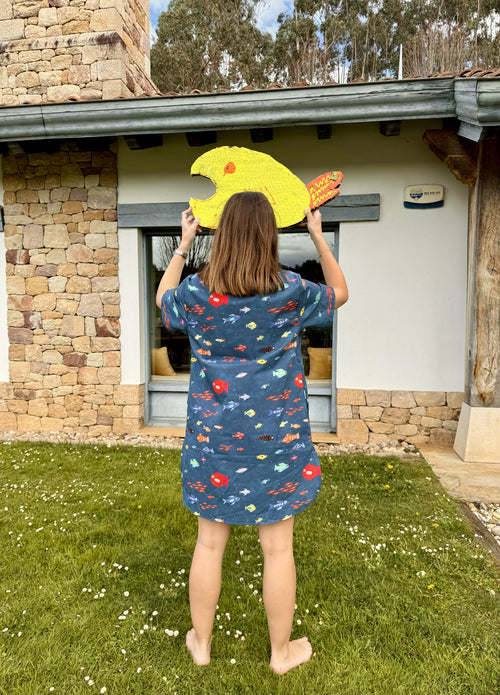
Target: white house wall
404, 325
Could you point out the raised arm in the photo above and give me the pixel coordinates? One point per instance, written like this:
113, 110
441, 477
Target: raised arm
334, 277
173, 272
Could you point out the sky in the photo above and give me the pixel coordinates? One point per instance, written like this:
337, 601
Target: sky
267, 20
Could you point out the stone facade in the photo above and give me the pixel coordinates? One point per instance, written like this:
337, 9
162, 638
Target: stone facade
54, 50
63, 296
417, 417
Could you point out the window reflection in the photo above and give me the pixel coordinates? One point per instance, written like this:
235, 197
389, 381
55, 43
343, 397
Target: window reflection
171, 354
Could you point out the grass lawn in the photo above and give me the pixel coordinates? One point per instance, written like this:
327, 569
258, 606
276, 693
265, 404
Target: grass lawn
393, 589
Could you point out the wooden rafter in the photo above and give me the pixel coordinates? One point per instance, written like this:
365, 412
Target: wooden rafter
459, 154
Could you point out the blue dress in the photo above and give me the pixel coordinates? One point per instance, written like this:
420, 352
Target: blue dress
248, 457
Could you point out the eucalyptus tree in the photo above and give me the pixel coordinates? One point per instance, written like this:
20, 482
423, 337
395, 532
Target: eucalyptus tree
209, 45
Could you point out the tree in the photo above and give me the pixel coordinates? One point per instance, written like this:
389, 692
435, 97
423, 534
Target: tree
209, 45
451, 36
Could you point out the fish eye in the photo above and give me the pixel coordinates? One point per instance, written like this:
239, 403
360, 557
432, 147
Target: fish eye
230, 168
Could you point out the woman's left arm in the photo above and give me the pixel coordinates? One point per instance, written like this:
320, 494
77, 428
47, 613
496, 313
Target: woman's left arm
173, 273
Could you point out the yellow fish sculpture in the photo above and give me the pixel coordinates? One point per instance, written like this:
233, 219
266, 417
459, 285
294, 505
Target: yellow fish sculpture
236, 169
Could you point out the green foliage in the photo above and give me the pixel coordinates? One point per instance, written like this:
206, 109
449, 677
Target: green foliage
213, 44
209, 45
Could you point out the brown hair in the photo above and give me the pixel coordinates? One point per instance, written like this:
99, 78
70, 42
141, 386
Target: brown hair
244, 257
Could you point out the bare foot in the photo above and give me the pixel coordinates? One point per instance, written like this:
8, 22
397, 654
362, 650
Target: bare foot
299, 651
200, 654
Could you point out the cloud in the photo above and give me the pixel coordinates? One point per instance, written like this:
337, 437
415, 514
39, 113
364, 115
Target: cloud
268, 14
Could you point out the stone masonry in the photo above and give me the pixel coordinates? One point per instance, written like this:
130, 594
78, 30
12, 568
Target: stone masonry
54, 50
417, 417
63, 296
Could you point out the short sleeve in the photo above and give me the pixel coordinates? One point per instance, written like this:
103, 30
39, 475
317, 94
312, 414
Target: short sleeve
173, 311
318, 302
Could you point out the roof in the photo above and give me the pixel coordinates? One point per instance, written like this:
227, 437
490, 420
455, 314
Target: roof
473, 97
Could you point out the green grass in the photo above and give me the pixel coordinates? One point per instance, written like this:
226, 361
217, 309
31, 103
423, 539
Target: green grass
95, 545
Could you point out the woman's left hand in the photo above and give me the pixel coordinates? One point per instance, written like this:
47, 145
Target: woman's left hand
190, 225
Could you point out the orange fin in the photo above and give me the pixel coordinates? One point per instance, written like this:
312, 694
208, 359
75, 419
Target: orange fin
324, 188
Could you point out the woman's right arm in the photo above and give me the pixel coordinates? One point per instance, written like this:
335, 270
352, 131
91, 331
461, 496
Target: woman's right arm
334, 277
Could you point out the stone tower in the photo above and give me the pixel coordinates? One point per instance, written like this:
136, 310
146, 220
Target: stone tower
53, 50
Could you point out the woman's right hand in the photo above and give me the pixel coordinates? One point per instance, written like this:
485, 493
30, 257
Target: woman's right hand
190, 225
313, 219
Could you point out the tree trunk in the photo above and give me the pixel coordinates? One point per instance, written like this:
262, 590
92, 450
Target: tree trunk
482, 385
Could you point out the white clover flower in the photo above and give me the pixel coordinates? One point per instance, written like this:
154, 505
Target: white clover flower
126, 593
233, 661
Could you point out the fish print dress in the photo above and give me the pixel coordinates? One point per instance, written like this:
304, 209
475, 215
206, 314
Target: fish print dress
248, 457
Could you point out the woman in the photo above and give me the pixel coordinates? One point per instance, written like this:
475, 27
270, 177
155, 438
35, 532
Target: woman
248, 457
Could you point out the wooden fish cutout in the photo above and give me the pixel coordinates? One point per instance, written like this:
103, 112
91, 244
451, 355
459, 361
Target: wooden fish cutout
236, 169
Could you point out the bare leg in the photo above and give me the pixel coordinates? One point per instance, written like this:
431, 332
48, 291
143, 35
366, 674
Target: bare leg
279, 596
204, 586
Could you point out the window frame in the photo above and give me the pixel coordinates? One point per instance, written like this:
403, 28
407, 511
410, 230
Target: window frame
174, 385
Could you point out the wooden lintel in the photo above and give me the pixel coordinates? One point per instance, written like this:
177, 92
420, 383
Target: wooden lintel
459, 155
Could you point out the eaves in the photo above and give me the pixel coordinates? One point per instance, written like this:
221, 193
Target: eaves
476, 102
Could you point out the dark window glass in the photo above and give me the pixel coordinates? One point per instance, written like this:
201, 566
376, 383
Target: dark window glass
296, 252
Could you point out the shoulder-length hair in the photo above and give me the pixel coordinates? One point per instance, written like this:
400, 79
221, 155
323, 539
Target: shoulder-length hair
244, 256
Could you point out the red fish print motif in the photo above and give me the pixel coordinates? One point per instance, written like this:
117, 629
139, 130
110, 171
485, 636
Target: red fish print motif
225, 447
241, 347
329, 292
290, 437
206, 395
299, 504
201, 351
280, 396
239, 435
288, 488
310, 471
292, 411
219, 386
299, 381
196, 309
292, 304
201, 438
198, 486
218, 479
290, 345
216, 299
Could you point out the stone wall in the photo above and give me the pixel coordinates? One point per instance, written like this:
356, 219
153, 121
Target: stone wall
53, 50
63, 296
417, 417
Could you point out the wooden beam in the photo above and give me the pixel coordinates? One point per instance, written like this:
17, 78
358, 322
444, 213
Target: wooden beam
261, 134
459, 155
482, 388
143, 142
390, 128
324, 131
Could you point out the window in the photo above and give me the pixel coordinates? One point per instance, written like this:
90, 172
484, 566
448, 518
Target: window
170, 353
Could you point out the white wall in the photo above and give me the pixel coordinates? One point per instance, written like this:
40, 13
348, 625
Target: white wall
4, 335
404, 325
